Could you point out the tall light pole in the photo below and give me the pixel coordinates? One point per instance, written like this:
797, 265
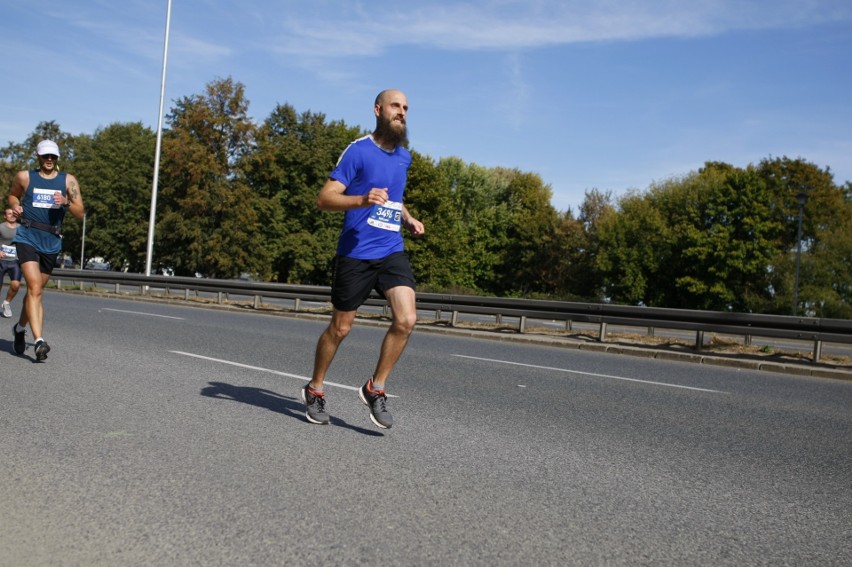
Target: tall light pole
83, 243
153, 218
802, 198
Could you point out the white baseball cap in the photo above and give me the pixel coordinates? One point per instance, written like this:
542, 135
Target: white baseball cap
47, 147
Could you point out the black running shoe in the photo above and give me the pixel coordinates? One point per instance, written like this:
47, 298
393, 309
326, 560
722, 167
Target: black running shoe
377, 402
20, 340
41, 350
314, 407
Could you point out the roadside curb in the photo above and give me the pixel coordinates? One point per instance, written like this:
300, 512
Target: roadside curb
731, 361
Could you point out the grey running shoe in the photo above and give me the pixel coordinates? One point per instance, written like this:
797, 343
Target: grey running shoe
314, 407
41, 350
377, 402
7, 310
20, 340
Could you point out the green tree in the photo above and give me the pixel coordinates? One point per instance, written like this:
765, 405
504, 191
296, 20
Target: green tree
441, 257
295, 154
209, 216
827, 269
115, 168
531, 233
634, 246
588, 282
570, 275
825, 219
723, 236
478, 197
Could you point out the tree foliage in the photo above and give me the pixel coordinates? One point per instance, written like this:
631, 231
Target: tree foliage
239, 198
208, 212
115, 168
633, 248
441, 256
291, 162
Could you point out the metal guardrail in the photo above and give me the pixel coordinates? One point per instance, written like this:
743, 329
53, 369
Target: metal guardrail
817, 330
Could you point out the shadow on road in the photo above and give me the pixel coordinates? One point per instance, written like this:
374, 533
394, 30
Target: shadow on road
272, 401
7, 346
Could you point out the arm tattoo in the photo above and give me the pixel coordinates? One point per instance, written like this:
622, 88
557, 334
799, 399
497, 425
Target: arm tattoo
72, 191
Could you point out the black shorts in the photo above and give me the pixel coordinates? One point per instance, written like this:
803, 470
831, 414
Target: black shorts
11, 267
46, 262
352, 280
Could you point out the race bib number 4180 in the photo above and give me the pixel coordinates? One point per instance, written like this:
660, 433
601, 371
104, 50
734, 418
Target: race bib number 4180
387, 216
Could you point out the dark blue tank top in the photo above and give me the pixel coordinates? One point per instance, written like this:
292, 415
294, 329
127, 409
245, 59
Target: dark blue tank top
38, 206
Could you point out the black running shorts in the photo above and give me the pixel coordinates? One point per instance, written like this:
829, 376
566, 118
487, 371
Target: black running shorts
11, 267
26, 253
353, 280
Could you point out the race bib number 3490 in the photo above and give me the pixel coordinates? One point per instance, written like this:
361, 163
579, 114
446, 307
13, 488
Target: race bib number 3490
387, 216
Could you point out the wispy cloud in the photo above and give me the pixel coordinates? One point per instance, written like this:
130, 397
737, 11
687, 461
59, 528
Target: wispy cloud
133, 28
519, 24
513, 103
192, 48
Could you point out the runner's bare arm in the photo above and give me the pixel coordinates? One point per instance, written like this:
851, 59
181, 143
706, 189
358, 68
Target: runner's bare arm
332, 197
74, 198
414, 226
19, 187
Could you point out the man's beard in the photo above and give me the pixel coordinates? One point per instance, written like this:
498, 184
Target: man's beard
388, 131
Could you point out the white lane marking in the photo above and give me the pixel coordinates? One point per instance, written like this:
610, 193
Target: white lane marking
593, 374
142, 313
270, 371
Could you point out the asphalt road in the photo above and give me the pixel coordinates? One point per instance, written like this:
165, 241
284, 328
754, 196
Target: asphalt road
168, 435
804, 346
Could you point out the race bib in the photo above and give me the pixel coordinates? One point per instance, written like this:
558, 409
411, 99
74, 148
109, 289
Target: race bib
11, 252
387, 216
43, 199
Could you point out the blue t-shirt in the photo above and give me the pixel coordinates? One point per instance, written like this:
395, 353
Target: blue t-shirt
38, 206
371, 233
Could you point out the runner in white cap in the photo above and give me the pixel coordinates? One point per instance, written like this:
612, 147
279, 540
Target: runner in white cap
39, 199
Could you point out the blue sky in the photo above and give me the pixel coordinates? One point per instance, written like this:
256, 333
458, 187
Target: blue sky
610, 94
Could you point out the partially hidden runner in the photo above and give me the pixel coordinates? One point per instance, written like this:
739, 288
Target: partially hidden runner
9, 261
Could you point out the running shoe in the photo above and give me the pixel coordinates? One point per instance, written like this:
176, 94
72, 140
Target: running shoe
376, 400
20, 340
314, 407
41, 350
7, 310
